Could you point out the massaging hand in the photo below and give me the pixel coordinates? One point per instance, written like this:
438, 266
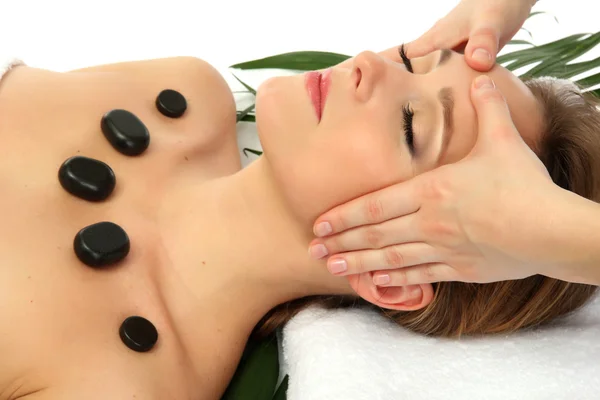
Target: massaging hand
487, 25
469, 221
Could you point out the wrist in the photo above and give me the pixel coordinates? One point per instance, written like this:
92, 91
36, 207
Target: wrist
571, 238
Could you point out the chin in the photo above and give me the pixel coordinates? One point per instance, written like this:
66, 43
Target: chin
271, 122
268, 109
286, 124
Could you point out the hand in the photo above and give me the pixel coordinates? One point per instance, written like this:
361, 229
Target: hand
487, 25
472, 221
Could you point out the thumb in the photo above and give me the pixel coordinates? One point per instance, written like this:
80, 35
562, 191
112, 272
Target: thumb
494, 122
482, 48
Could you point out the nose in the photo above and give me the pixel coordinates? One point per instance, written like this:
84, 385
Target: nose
367, 72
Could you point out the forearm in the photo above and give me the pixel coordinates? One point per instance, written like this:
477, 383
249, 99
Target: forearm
571, 237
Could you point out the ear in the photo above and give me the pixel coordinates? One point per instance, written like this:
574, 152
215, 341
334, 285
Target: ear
402, 298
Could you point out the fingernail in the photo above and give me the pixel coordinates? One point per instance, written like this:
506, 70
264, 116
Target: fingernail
484, 82
381, 279
337, 266
323, 229
481, 55
317, 251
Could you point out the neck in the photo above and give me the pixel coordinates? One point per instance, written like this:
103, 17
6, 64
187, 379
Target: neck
261, 246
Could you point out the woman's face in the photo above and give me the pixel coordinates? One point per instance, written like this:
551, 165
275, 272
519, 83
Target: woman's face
362, 141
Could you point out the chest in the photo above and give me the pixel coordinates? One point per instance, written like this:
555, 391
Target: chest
60, 319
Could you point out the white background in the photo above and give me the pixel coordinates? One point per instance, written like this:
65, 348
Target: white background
67, 34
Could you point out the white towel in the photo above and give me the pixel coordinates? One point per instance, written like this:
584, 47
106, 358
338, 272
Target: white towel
356, 354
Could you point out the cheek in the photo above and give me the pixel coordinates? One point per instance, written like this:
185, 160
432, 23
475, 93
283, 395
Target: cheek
283, 115
340, 167
351, 153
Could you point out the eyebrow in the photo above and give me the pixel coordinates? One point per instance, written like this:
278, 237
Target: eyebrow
446, 97
444, 56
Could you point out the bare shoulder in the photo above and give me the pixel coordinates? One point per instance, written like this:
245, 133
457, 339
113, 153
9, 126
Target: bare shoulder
34, 102
47, 117
27, 91
194, 76
184, 69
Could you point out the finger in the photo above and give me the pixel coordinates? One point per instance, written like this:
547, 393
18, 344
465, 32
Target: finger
391, 202
493, 115
391, 257
482, 48
445, 34
420, 274
394, 231
424, 45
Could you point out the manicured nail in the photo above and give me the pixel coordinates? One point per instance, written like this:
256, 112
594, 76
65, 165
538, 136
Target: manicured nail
482, 55
337, 266
381, 279
323, 229
317, 251
484, 82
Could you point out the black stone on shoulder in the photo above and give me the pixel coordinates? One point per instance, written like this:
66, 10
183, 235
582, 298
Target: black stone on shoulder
101, 244
87, 178
171, 103
125, 132
138, 334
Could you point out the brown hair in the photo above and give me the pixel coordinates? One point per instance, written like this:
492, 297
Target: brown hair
569, 147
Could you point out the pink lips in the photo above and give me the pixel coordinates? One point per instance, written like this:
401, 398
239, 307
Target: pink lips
317, 84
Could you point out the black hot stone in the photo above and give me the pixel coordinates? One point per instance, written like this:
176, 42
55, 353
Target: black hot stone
125, 132
87, 178
171, 103
138, 334
101, 244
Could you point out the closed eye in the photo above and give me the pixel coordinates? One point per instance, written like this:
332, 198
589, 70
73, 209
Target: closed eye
405, 59
408, 114
409, 135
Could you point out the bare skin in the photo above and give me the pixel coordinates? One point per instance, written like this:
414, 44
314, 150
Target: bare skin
213, 247
59, 319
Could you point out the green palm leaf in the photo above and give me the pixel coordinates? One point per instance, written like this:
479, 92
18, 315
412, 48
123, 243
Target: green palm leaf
590, 81
550, 65
244, 113
298, 60
257, 373
552, 58
248, 87
570, 70
545, 49
281, 393
246, 118
533, 14
517, 41
247, 150
527, 31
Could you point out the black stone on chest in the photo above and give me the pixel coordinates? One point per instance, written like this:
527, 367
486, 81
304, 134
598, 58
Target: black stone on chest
87, 178
101, 244
125, 132
171, 103
138, 334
